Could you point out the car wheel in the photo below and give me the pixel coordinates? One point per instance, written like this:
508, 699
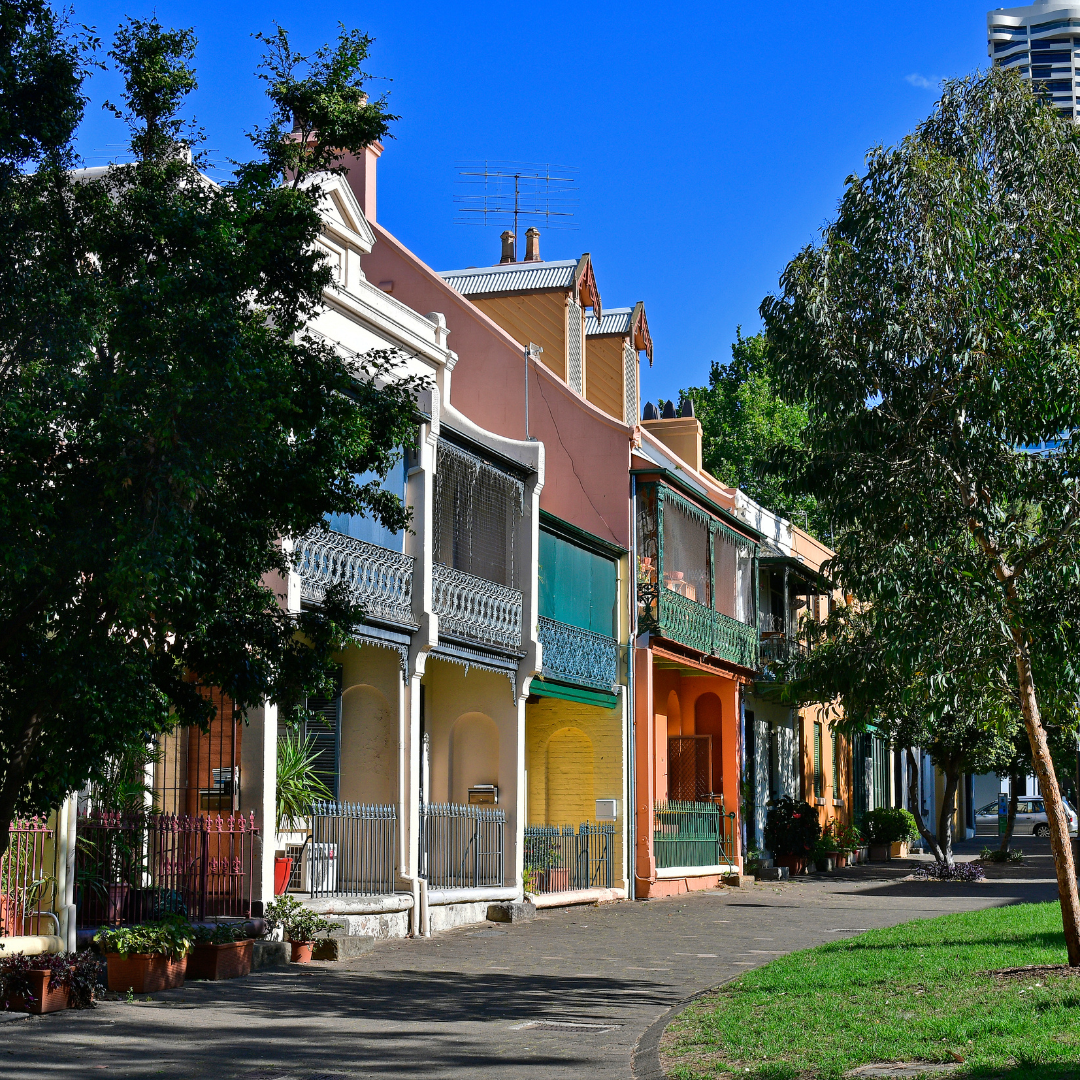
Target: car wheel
1042, 830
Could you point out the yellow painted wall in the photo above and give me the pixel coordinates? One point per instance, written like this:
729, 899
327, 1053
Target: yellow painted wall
574, 756
371, 702
539, 318
604, 374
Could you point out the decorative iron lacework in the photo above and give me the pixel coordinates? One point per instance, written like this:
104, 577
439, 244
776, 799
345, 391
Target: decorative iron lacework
477, 511
630, 387
578, 656
475, 609
378, 579
672, 614
573, 346
468, 658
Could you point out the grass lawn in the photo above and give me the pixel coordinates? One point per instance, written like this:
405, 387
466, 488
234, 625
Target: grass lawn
915, 992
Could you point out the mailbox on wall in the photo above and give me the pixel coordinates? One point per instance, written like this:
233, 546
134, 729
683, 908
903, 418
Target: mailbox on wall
484, 795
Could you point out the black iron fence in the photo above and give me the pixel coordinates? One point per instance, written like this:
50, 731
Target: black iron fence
559, 859
352, 850
137, 867
461, 846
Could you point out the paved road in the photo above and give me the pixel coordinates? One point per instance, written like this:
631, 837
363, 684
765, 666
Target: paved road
568, 995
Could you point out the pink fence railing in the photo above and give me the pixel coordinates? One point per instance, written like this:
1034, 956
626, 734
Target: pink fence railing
134, 868
27, 881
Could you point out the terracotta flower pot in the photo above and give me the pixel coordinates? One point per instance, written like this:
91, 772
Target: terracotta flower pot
841, 860
215, 962
46, 997
282, 873
145, 973
557, 879
879, 852
301, 951
899, 849
796, 864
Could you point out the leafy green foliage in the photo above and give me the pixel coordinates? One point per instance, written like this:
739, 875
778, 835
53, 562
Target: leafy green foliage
297, 784
791, 828
744, 423
921, 991
297, 922
219, 934
172, 937
890, 825
165, 419
77, 972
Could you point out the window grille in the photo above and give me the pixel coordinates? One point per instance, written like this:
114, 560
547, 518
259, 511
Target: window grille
574, 331
478, 509
630, 384
690, 776
686, 552
818, 779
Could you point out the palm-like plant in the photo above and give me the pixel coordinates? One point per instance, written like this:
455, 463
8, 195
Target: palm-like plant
298, 786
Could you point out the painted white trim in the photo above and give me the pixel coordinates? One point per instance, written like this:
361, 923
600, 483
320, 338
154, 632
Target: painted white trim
360, 905
696, 871
439, 897
576, 896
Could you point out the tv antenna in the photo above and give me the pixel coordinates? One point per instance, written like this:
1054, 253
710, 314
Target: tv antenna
505, 192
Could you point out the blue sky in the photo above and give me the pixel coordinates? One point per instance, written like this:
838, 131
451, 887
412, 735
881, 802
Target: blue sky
710, 142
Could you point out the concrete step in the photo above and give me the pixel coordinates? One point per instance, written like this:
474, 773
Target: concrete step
342, 947
511, 912
773, 873
738, 881
270, 954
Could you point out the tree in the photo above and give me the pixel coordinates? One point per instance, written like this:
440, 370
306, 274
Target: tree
164, 418
744, 422
932, 333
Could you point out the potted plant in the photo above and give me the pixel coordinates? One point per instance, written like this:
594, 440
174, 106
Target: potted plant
791, 831
297, 788
299, 925
48, 983
825, 851
147, 957
848, 842
889, 827
222, 951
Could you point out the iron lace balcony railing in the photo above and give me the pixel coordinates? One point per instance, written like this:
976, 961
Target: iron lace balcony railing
578, 656
697, 626
692, 834
558, 859
461, 846
378, 579
477, 610
353, 849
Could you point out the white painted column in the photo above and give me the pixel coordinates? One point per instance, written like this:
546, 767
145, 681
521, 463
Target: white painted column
258, 793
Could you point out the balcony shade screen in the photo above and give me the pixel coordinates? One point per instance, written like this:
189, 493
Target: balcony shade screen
368, 527
686, 552
478, 509
576, 586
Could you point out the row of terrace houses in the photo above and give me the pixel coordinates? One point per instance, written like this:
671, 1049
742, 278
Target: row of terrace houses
555, 690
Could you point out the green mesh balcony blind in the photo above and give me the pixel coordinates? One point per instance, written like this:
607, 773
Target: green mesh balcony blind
577, 587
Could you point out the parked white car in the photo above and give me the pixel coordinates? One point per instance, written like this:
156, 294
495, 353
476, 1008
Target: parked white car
1030, 816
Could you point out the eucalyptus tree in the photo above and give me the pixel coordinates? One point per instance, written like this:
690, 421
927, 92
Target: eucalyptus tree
164, 417
934, 334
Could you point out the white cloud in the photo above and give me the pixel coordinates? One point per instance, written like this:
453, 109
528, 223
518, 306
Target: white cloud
921, 81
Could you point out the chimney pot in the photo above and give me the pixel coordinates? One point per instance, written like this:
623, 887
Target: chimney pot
650, 412
532, 245
508, 244
687, 407
669, 410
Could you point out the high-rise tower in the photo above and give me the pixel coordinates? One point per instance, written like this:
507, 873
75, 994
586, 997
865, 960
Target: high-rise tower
1042, 41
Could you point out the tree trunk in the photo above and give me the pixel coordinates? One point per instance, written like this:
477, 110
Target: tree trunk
914, 806
948, 810
1060, 841
1010, 820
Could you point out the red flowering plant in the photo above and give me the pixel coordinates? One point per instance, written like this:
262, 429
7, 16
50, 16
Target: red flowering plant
791, 828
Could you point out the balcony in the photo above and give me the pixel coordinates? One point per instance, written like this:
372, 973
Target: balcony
379, 580
578, 656
696, 626
476, 610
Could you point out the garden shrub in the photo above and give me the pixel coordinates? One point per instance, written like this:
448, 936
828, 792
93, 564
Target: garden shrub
791, 828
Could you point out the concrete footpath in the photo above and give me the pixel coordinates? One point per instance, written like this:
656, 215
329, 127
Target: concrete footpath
578, 993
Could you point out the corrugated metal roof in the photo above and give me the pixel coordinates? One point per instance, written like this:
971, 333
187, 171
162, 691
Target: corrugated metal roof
614, 321
512, 277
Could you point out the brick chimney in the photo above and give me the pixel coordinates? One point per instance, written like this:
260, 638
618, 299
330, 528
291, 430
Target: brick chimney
532, 245
361, 177
680, 434
508, 243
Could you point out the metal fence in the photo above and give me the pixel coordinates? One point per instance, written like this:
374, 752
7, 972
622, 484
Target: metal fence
461, 846
692, 834
27, 880
353, 849
138, 867
558, 859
